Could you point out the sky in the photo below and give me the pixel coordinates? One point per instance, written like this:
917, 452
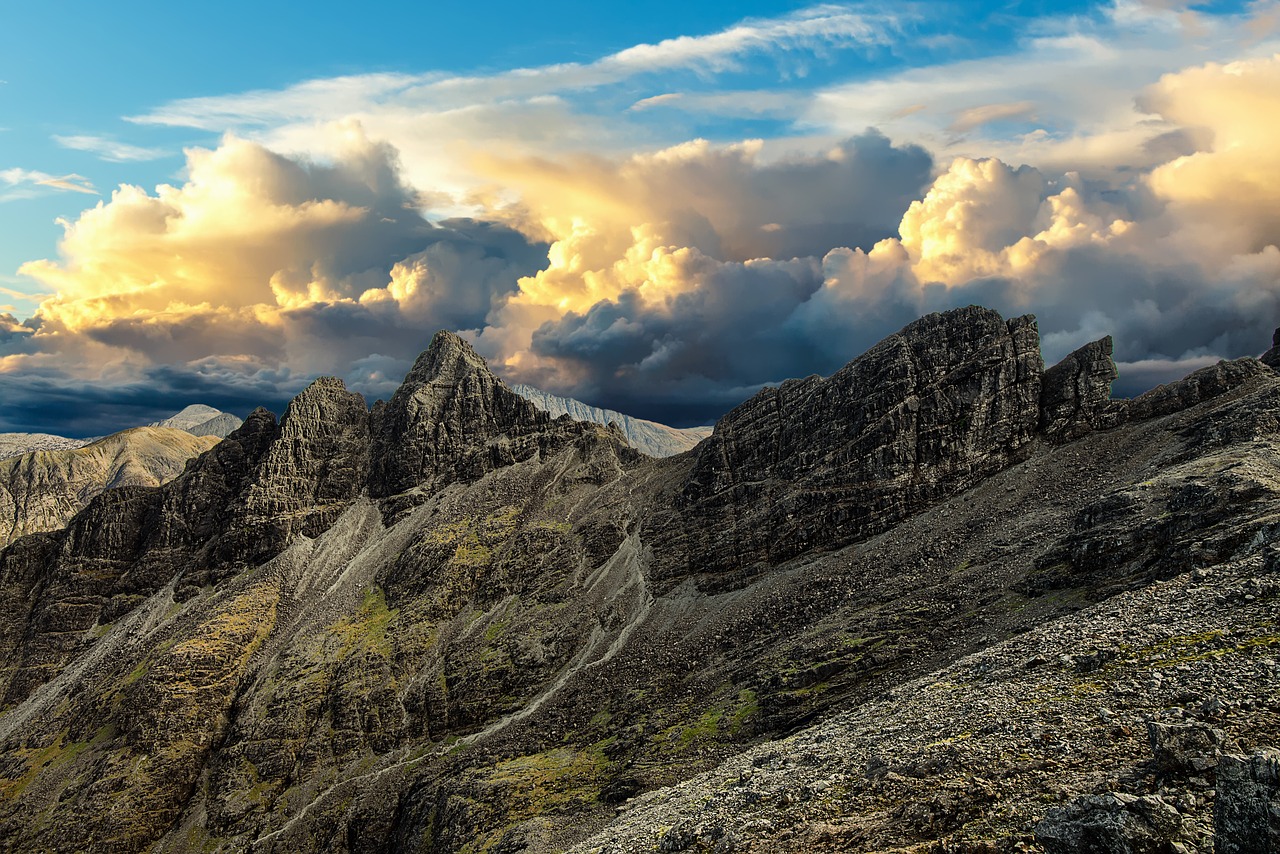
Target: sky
658, 212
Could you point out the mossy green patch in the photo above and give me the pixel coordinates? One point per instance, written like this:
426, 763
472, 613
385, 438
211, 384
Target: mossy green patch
367, 628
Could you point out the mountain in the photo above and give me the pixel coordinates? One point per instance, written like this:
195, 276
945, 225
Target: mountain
943, 600
42, 490
654, 439
201, 420
16, 444
198, 420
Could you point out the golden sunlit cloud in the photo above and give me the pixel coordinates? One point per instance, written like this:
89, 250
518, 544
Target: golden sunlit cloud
683, 276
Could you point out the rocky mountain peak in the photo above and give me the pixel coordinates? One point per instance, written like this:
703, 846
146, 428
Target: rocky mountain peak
452, 419
448, 359
1271, 358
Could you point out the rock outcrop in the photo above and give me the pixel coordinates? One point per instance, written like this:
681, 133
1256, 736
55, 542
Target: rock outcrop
1271, 358
1075, 394
926, 413
1246, 812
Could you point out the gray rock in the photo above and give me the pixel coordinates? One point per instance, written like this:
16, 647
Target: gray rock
1190, 748
1246, 814
1195, 388
453, 420
1075, 394
924, 414
1271, 358
1110, 824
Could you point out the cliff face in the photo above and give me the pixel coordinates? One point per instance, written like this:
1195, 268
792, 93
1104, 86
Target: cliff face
455, 623
816, 462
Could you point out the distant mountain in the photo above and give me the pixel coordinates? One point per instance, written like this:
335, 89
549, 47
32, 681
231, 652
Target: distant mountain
41, 490
654, 439
14, 444
197, 420
201, 420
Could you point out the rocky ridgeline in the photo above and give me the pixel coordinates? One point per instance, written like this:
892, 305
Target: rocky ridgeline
656, 440
456, 623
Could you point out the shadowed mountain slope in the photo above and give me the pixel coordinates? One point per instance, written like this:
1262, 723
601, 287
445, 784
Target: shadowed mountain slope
454, 623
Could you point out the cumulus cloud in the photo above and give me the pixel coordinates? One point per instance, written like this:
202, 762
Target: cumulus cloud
674, 282
1181, 265
257, 259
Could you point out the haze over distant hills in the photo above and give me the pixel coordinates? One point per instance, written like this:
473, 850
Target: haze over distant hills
654, 439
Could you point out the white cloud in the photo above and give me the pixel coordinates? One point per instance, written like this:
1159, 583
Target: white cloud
26, 183
1070, 83
109, 149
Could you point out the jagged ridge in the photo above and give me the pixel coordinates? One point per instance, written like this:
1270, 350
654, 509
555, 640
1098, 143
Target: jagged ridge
380, 629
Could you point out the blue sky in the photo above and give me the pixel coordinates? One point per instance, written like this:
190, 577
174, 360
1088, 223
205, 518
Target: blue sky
659, 212
75, 72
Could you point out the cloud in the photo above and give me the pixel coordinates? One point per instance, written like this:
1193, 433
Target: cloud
673, 281
1181, 265
824, 27
656, 100
109, 149
657, 224
25, 183
967, 120
1230, 184
294, 267
1069, 82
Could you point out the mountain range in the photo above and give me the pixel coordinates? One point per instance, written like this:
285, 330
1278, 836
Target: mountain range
654, 439
942, 600
45, 479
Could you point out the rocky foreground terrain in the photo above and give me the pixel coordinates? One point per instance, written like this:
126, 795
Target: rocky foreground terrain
943, 600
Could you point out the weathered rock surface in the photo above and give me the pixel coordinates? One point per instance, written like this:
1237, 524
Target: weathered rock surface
1271, 358
1110, 824
41, 490
453, 623
1075, 394
452, 420
925, 413
1246, 813
649, 437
